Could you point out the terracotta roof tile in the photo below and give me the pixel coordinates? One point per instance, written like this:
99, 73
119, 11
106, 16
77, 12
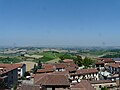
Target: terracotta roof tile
83, 85
115, 65
50, 79
45, 70
85, 71
48, 66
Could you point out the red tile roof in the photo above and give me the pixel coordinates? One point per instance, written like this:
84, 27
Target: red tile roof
45, 70
16, 65
100, 81
106, 60
5, 68
60, 65
51, 80
99, 62
61, 73
115, 65
48, 66
85, 71
83, 85
70, 69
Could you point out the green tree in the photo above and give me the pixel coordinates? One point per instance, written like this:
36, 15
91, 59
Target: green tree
34, 69
78, 60
39, 64
104, 88
87, 62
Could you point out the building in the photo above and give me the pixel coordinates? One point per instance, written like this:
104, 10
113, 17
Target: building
98, 84
48, 82
113, 68
8, 75
99, 65
21, 68
106, 60
88, 74
83, 85
39, 71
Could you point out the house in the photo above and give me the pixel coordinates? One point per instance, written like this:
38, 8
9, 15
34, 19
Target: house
21, 68
99, 65
116, 59
59, 67
88, 74
113, 68
83, 85
52, 81
98, 84
106, 60
48, 66
8, 75
39, 71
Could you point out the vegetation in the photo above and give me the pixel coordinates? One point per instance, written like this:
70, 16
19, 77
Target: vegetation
104, 88
87, 62
36, 67
67, 56
78, 60
112, 56
9, 60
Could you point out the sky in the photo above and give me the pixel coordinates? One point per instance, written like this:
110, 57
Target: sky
59, 22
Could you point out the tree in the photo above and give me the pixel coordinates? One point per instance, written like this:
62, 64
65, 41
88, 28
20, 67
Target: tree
104, 88
39, 64
78, 60
34, 69
87, 62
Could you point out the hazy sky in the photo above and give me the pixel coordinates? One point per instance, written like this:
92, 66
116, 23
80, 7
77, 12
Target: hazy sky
60, 22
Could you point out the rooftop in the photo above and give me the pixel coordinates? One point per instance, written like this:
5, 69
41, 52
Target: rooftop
83, 85
52, 80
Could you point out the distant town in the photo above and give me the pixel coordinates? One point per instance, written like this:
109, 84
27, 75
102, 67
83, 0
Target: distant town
48, 68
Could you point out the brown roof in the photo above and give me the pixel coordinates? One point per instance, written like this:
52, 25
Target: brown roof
51, 80
5, 68
38, 77
48, 66
115, 65
70, 69
99, 62
73, 65
60, 65
106, 60
85, 71
16, 65
100, 81
83, 85
61, 73
45, 70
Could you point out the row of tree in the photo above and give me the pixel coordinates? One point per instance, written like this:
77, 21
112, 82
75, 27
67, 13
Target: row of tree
87, 62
